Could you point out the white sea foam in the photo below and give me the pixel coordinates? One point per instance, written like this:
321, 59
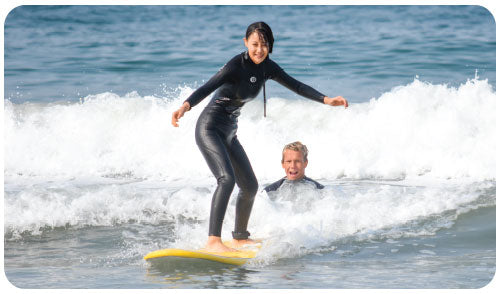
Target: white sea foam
111, 160
291, 224
413, 130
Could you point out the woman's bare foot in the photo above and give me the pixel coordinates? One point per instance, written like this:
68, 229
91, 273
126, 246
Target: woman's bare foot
214, 244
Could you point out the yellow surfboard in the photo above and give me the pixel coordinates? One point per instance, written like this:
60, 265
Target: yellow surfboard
239, 257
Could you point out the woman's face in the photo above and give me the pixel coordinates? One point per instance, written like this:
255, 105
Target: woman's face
257, 47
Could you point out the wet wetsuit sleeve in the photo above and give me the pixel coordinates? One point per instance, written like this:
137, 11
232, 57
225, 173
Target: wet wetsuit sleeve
280, 76
215, 82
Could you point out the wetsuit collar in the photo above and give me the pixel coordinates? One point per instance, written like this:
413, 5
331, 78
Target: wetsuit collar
295, 181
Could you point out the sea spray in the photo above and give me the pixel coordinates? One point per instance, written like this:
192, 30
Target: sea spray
413, 130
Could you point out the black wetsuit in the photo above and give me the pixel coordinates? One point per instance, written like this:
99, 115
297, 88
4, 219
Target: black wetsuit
237, 82
275, 186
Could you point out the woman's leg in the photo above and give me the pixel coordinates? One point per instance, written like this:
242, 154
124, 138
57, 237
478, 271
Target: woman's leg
216, 155
247, 182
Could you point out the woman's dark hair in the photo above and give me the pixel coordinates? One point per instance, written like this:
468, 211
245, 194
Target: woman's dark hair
264, 31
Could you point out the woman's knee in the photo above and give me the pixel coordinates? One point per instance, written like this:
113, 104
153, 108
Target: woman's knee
226, 181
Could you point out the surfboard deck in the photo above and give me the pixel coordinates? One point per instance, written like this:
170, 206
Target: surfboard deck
239, 257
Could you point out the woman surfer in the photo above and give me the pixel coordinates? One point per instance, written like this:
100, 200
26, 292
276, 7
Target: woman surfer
237, 82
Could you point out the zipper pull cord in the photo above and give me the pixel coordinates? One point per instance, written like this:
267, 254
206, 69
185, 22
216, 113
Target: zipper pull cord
264, 86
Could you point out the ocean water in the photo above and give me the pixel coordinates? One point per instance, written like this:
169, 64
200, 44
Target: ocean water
95, 177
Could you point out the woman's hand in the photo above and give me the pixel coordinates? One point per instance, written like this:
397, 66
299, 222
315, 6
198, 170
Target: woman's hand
180, 113
336, 101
